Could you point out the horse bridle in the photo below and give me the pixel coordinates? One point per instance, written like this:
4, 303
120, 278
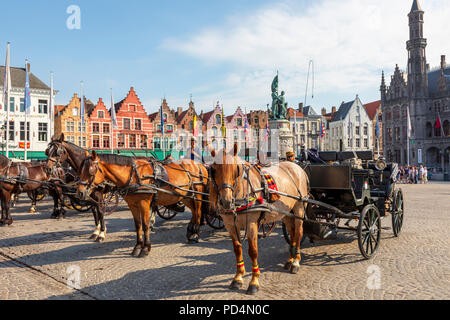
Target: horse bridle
90, 183
59, 152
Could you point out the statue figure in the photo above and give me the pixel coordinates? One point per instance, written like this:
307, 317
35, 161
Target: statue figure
279, 106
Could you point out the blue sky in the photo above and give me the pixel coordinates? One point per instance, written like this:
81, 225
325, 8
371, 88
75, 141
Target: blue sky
227, 51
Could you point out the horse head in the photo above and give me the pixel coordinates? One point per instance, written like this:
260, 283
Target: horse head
91, 175
56, 154
225, 174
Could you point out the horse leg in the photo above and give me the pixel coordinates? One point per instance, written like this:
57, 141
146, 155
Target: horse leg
138, 225
145, 218
8, 219
193, 229
289, 222
252, 237
101, 216
3, 208
96, 232
33, 195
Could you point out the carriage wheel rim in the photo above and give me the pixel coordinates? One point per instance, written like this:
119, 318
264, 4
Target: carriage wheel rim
369, 232
397, 218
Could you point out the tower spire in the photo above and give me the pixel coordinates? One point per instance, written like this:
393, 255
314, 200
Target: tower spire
416, 6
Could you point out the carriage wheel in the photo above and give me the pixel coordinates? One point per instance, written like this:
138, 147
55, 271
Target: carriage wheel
39, 196
397, 213
111, 202
265, 229
214, 221
165, 213
80, 206
67, 202
369, 231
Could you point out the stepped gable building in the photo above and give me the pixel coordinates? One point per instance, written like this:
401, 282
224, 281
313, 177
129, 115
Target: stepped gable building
211, 129
39, 128
235, 127
170, 125
134, 130
372, 110
426, 92
257, 121
100, 127
68, 121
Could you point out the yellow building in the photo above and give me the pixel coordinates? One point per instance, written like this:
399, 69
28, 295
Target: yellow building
68, 121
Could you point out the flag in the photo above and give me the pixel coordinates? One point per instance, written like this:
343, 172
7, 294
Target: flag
439, 125
195, 126
7, 82
322, 129
113, 113
246, 126
224, 130
27, 97
162, 119
409, 129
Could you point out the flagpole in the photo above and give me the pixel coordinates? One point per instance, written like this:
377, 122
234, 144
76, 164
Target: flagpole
81, 112
51, 111
7, 88
112, 125
26, 102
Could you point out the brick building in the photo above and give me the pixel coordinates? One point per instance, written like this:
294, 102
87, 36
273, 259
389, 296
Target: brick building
100, 127
170, 125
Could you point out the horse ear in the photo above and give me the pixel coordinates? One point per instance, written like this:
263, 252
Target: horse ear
61, 138
94, 155
235, 149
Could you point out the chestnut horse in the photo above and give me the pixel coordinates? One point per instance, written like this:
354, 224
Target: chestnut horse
131, 175
233, 182
31, 176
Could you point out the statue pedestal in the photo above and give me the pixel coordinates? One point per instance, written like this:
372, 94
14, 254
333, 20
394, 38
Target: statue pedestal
283, 138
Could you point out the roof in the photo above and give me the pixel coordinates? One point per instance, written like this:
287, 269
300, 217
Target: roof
343, 111
292, 113
416, 6
18, 79
371, 108
308, 111
208, 115
181, 116
433, 77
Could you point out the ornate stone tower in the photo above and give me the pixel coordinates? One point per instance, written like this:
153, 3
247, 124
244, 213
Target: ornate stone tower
417, 61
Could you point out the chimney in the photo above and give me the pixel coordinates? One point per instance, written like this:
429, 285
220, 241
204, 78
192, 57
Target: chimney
333, 109
443, 62
300, 107
324, 111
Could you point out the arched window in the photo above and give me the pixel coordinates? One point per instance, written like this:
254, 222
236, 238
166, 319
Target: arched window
429, 130
214, 130
446, 128
218, 119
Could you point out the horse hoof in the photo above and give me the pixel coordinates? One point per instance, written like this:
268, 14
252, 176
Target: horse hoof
288, 265
136, 251
236, 285
252, 290
100, 240
193, 241
93, 237
144, 253
9, 222
294, 269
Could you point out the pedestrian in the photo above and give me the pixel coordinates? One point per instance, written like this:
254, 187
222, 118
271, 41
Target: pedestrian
421, 179
425, 175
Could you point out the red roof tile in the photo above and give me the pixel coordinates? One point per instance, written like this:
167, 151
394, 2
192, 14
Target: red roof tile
372, 108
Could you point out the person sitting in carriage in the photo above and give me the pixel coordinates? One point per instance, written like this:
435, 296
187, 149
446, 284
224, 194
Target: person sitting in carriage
290, 156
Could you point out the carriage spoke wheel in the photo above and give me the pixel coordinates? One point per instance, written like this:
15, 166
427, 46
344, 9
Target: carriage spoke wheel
369, 231
165, 213
111, 202
67, 202
265, 229
80, 206
397, 214
214, 221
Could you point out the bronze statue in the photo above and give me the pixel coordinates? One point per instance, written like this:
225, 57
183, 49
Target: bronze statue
279, 106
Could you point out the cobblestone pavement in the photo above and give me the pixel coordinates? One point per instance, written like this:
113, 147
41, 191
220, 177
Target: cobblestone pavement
36, 252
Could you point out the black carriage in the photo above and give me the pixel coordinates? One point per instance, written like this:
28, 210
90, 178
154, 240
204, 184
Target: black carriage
351, 186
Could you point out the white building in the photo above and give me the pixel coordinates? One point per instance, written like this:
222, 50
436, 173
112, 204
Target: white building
38, 121
350, 129
305, 126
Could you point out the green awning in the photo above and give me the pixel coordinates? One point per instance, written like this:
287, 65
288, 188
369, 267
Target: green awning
31, 155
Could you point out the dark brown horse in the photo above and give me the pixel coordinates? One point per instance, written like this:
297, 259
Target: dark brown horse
62, 153
234, 183
18, 177
178, 181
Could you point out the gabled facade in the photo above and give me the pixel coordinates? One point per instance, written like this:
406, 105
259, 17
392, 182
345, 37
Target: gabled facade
373, 110
100, 127
168, 142
235, 128
211, 129
134, 130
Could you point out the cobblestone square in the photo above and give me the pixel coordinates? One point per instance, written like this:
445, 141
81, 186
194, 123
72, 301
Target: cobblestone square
38, 256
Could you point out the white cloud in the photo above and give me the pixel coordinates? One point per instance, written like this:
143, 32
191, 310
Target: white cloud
349, 40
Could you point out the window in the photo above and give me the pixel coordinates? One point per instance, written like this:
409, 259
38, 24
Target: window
157, 143
22, 131
126, 124
75, 111
106, 144
218, 119
138, 124
214, 130
191, 125
397, 134
357, 130
239, 122
132, 141
169, 128
143, 142
95, 127
235, 135
106, 128
12, 103
256, 120
101, 114
358, 143
366, 130
302, 128
95, 142
42, 131
43, 106
121, 140
70, 127
22, 105
366, 143
80, 143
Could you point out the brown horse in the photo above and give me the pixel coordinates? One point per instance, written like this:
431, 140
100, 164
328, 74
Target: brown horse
131, 175
234, 182
31, 178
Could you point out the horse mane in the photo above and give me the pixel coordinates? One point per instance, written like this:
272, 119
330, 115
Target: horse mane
117, 159
80, 149
4, 161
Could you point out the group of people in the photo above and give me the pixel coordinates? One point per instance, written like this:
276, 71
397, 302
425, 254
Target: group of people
413, 175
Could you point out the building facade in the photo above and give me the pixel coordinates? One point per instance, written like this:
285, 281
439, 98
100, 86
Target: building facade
68, 121
425, 92
373, 109
39, 126
100, 127
167, 140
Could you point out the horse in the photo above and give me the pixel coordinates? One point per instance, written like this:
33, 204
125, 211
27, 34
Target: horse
235, 184
31, 178
169, 183
63, 153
